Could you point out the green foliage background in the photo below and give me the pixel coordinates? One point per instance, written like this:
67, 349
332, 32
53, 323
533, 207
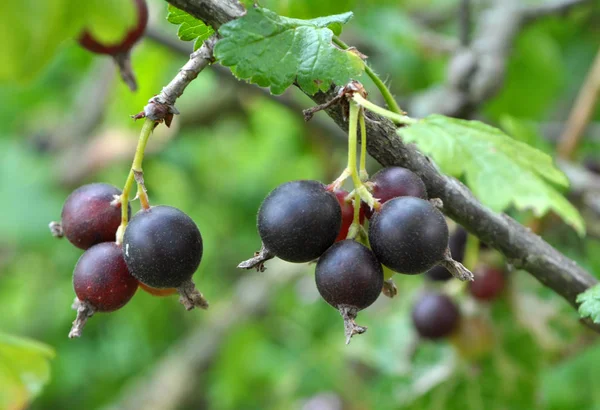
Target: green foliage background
218, 168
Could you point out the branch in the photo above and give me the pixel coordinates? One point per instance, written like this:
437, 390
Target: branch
520, 246
582, 112
162, 106
533, 13
476, 73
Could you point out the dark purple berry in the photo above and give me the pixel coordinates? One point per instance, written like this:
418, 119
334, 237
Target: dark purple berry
393, 182
457, 244
91, 215
101, 278
408, 235
162, 247
349, 277
299, 220
435, 316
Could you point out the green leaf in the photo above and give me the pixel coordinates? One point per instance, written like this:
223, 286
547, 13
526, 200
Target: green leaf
190, 28
32, 31
589, 303
499, 170
274, 51
24, 370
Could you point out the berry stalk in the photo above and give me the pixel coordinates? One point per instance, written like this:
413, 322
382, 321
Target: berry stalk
136, 175
392, 116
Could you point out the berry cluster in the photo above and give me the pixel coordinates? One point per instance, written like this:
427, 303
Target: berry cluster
302, 221
159, 250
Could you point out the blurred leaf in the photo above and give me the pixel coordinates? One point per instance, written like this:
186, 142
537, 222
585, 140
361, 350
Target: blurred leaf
190, 28
274, 51
499, 170
590, 303
32, 31
24, 370
525, 131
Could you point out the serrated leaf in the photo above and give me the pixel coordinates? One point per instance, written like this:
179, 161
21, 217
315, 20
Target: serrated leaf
190, 28
274, 51
499, 170
24, 370
589, 303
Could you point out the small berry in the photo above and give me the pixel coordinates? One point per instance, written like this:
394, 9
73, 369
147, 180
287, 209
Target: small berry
488, 284
435, 316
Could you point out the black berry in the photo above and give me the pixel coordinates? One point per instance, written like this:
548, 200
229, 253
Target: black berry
299, 220
349, 277
435, 316
162, 247
408, 235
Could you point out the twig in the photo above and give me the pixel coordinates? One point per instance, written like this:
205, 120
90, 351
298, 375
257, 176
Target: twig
162, 106
532, 13
582, 111
521, 247
464, 22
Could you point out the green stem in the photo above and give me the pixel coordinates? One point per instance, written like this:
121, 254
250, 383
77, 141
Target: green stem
385, 92
136, 166
364, 175
471, 252
352, 144
397, 118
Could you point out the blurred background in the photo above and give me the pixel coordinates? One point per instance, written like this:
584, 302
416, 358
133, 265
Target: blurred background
268, 341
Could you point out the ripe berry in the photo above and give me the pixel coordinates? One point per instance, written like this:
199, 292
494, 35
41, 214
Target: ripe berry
456, 243
347, 214
488, 284
162, 247
435, 316
349, 277
408, 235
121, 51
299, 220
393, 182
102, 283
91, 215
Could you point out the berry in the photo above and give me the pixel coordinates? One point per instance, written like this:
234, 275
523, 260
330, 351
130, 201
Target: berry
349, 277
156, 291
299, 220
488, 284
347, 214
121, 51
162, 247
133, 36
101, 278
456, 243
435, 316
393, 182
408, 235
91, 215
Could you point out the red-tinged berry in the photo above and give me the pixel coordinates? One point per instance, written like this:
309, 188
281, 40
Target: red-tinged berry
488, 284
347, 214
101, 282
91, 215
393, 182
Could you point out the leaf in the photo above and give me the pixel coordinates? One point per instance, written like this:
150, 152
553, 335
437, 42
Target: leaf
24, 370
190, 28
274, 51
499, 170
32, 30
589, 303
